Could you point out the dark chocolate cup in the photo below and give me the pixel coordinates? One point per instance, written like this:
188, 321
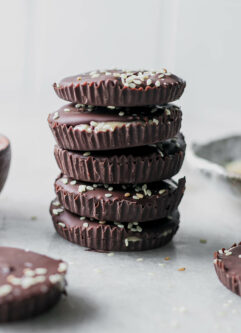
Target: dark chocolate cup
111, 93
117, 208
133, 135
5, 158
118, 169
231, 280
110, 237
30, 307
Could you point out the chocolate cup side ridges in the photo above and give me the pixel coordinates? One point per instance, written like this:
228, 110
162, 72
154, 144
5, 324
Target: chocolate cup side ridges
113, 237
30, 283
124, 169
231, 280
114, 206
134, 135
127, 166
109, 90
5, 159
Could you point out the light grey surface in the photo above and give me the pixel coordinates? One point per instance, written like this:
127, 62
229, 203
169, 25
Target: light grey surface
118, 293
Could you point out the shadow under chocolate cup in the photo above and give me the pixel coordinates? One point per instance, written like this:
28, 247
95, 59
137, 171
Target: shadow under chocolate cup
5, 158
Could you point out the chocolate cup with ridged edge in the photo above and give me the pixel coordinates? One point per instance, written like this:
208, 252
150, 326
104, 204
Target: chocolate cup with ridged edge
30, 283
113, 203
110, 236
130, 130
127, 166
104, 90
228, 269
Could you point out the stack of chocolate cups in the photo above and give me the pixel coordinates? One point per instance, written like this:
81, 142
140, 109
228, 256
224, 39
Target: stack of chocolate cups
118, 145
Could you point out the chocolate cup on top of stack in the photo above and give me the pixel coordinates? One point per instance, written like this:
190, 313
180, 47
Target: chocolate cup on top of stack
118, 145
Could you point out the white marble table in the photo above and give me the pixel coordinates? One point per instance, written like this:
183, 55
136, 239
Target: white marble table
119, 293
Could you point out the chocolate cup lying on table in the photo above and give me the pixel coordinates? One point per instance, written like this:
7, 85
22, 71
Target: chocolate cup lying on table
5, 158
113, 236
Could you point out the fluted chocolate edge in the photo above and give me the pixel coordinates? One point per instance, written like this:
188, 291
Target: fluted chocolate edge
124, 169
110, 93
123, 210
133, 135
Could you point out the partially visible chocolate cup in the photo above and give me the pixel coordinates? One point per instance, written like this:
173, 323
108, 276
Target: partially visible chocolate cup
5, 158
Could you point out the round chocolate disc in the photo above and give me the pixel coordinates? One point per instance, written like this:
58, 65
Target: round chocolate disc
227, 263
30, 283
113, 236
121, 88
124, 166
125, 203
76, 127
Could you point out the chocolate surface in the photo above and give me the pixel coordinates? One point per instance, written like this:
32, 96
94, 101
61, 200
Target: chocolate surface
227, 264
30, 283
101, 128
132, 165
113, 236
126, 203
121, 88
5, 158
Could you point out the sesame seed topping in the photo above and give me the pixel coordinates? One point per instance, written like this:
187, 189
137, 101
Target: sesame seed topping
127, 194
111, 254
79, 78
40, 270
121, 113
135, 197
57, 85
93, 123
108, 195
139, 259
61, 224
157, 83
149, 193
85, 225
56, 115
64, 180
82, 218
79, 106
102, 222
149, 82
57, 211
5, 289
73, 182
181, 269
87, 153
140, 195
168, 112
95, 75
89, 188
156, 121
132, 85
110, 188
56, 203
126, 242
55, 278
82, 188
160, 76
162, 191
111, 107
62, 267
